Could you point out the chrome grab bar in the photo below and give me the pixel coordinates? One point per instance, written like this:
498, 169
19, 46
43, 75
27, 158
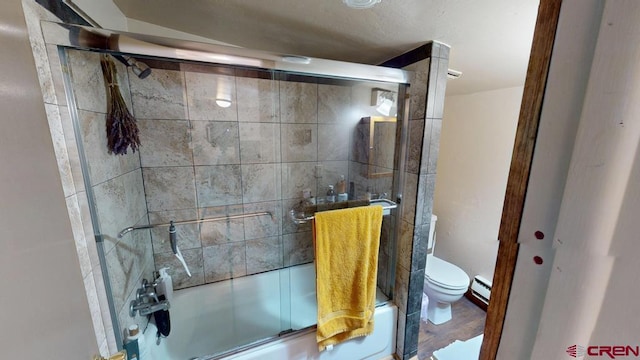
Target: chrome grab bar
195, 221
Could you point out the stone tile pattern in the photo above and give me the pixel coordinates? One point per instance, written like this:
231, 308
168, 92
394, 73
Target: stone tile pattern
427, 101
117, 186
200, 160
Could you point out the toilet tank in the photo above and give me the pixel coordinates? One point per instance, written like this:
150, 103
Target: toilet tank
432, 234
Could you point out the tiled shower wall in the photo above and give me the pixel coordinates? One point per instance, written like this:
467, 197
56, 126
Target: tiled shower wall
200, 160
116, 184
429, 64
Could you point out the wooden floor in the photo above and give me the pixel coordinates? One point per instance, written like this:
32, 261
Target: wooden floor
467, 322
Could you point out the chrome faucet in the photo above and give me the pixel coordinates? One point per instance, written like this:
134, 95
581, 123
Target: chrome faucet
147, 301
146, 308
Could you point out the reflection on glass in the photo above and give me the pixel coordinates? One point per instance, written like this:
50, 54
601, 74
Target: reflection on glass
375, 138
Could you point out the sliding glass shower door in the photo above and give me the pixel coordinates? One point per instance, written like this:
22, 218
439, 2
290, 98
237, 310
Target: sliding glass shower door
219, 141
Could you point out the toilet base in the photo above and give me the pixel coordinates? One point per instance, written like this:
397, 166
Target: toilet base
438, 312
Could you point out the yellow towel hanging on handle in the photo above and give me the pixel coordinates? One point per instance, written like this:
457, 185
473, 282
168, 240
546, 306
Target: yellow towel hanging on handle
346, 244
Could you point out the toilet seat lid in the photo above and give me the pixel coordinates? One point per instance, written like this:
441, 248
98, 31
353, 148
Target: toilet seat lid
445, 274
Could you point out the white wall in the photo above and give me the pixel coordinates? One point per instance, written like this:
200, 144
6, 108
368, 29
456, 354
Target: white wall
43, 307
478, 131
103, 12
564, 95
143, 27
594, 284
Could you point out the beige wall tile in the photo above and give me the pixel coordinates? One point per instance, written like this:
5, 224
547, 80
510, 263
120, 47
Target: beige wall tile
258, 100
334, 103
299, 142
215, 142
298, 102
264, 254
72, 149
165, 143
218, 185
102, 166
296, 177
259, 143
256, 227
298, 248
202, 92
60, 148
88, 81
110, 198
224, 261
78, 235
261, 182
136, 209
169, 188
224, 231
333, 142
159, 96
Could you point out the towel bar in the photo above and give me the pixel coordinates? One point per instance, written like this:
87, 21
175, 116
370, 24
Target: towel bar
299, 217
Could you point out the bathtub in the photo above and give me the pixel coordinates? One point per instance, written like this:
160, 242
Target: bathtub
213, 321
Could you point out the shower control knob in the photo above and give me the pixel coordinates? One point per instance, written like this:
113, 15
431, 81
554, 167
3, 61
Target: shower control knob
146, 284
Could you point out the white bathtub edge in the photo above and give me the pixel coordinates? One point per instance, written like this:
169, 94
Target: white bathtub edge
380, 344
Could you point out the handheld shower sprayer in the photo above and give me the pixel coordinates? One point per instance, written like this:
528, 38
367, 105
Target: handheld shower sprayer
173, 240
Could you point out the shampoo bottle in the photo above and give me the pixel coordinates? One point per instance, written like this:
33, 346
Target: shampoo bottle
341, 186
331, 195
165, 284
131, 344
143, 349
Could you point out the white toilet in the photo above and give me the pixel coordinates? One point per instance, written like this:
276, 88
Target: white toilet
444, 283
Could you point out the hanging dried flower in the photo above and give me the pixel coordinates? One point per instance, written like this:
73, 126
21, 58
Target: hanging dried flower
122, 130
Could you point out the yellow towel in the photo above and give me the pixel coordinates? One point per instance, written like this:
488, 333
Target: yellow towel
346, 243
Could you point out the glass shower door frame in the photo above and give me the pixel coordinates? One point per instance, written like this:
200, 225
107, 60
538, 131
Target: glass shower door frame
91, 39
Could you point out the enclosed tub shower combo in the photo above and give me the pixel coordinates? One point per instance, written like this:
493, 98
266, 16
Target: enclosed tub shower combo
233, 144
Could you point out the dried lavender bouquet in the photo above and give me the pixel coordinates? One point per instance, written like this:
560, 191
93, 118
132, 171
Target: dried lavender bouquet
122, 130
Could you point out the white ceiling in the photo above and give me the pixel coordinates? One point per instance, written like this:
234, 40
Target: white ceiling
490, 39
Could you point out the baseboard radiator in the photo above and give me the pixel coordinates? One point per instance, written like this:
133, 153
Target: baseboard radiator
481, 289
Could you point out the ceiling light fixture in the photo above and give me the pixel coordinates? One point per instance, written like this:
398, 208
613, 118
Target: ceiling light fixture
453, 74
223, 103
361, 4
295, 59
223, 92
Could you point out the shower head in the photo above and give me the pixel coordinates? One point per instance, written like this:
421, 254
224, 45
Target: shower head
173, 238
139, 68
